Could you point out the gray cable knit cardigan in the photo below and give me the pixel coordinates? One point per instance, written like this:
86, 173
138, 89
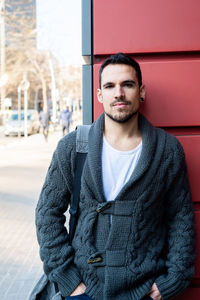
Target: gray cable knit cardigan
151, 238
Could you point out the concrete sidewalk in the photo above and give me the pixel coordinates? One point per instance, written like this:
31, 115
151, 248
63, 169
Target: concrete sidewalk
23, 166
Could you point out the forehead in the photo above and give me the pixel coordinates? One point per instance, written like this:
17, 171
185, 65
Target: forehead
118, 72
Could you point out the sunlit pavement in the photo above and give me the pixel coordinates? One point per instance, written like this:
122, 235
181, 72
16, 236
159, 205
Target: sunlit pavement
23, 166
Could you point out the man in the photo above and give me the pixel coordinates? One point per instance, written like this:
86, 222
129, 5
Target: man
66, 118
135, 233
45, 119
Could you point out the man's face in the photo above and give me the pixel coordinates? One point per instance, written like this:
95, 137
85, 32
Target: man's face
120, 92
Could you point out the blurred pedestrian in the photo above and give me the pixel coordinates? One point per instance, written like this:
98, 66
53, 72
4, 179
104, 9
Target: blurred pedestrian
45, 118
66, 119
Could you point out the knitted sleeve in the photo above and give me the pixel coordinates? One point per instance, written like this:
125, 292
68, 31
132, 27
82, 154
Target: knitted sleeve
55, 251
181, 230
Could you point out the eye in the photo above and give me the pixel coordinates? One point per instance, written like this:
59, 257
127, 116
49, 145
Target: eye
108, 86
128, 84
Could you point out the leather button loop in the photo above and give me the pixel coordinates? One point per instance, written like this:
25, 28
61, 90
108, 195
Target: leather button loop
103, 206
93, 260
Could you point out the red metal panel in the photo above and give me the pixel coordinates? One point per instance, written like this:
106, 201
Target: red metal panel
133, 26
172, 91
191, 145
189, 294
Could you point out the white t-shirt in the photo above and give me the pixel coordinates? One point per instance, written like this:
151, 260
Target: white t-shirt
117, 167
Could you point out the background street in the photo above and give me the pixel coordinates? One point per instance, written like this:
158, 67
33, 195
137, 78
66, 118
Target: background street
40, 68
23, 165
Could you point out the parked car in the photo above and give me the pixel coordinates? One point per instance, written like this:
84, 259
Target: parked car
13, 125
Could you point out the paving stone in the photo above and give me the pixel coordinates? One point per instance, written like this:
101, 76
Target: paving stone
20, 265
23, 166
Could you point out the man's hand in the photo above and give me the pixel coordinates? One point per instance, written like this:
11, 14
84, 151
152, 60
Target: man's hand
154, 293
80, 289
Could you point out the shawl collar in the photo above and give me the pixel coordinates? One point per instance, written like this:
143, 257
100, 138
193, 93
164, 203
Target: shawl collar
95, 140
149, 148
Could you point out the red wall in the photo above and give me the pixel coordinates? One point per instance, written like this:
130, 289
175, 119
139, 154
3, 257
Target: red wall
164, 37
142, 26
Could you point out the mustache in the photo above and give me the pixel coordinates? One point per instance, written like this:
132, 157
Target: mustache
120, 101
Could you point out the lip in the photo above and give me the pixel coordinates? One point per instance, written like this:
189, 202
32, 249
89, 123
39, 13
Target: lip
120, 104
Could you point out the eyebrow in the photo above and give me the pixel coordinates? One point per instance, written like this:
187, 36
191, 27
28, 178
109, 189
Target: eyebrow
129, 81
107, 83
123, 82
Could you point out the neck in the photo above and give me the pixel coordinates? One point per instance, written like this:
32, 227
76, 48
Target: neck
122, 136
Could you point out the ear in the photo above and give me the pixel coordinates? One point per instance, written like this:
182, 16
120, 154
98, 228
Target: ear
99, 95
142, 91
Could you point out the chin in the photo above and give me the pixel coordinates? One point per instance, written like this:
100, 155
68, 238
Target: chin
120, 118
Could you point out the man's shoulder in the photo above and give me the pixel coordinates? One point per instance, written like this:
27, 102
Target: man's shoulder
67, 143
172, 143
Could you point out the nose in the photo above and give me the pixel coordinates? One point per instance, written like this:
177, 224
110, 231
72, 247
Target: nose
119, 92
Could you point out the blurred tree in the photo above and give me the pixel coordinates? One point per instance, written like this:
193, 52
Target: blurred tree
41, 67
69, 82
22, 56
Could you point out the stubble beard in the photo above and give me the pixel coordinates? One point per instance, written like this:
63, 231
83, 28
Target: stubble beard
122, 119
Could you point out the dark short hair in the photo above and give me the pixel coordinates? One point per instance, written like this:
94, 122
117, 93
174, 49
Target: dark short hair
121, 58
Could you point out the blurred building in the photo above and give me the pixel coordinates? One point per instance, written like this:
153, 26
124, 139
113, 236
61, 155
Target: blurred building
17, 36
20, 24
